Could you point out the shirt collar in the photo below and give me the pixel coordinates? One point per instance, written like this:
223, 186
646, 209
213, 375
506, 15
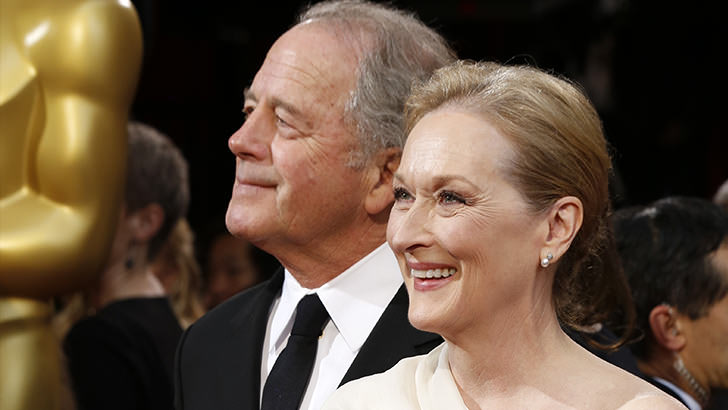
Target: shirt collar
355, 299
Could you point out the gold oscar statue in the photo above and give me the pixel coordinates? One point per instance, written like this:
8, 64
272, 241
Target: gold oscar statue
68, 73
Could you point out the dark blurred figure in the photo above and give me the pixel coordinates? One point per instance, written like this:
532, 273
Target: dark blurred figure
720, 396
233, 265
675, 255
122, 355
721, 196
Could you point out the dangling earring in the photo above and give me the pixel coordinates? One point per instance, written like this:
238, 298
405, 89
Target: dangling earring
129, 263
545, 261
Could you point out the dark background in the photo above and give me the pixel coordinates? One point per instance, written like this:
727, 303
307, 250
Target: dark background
653, 69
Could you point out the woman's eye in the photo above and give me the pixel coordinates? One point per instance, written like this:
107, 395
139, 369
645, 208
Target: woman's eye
401, 194
449, 198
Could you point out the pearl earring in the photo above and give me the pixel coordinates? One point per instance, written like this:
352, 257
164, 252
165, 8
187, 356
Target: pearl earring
545, 261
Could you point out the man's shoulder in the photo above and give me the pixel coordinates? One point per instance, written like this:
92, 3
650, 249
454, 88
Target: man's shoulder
236, 307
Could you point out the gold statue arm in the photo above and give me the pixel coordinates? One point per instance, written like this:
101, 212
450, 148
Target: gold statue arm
57, 226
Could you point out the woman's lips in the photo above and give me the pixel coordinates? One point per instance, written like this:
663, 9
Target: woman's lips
432, 273
431, 279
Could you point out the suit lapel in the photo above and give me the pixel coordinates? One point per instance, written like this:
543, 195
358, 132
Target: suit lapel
246, 340
392, 339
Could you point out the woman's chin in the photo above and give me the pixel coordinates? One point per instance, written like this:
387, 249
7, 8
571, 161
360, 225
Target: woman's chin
427, 321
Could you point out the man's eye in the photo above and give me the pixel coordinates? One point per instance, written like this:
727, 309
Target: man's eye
401, 194
247, 111
280, 122
449, 198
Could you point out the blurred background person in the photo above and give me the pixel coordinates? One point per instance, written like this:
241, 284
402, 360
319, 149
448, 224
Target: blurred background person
121, 356
719, 399
178, 270
721, 195
233, 265
675, 255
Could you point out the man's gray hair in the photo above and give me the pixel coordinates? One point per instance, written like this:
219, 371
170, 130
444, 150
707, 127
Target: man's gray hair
398, 49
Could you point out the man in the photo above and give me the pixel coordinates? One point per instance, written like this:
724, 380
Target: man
675, 255
315, 159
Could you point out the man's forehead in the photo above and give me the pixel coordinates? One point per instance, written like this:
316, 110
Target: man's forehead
310, 56
299, 76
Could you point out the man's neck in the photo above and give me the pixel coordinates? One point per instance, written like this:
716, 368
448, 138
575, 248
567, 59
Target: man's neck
662, 365
317, 262
312, 273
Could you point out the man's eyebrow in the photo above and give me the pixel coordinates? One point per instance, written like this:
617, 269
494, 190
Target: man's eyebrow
275, 102
249, 95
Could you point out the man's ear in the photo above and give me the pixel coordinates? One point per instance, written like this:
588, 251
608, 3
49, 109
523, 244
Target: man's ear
146, 222
381, 172
564, 221
665, 326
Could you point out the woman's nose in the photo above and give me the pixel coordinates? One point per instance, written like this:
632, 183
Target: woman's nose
409, 229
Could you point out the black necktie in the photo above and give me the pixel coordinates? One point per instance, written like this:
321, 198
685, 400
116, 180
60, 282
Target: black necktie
289, 377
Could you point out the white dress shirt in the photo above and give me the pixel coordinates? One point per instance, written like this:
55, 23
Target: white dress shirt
355, 300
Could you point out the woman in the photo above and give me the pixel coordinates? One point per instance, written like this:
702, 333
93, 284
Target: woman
501, 202
122, 356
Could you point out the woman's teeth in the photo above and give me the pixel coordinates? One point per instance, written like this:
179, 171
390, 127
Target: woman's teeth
432, 273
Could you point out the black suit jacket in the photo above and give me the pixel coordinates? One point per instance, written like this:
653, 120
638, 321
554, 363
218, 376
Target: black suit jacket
219, 357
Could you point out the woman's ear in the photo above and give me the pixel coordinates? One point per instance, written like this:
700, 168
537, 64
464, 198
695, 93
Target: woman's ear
146, 222
665, 326
381, 172
564, 221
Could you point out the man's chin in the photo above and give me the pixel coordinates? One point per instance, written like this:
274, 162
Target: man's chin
237, 218
244, 222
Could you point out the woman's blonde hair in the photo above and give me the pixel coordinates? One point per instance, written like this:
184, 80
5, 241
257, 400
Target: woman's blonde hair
184, 288
560, 150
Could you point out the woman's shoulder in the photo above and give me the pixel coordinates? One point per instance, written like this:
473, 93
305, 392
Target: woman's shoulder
394, 389
630, 392
653, 400
648, 396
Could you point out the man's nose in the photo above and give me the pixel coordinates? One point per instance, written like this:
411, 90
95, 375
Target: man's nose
252, 140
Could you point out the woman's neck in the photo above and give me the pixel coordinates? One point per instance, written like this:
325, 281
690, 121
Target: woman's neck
507, 356
124, 281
